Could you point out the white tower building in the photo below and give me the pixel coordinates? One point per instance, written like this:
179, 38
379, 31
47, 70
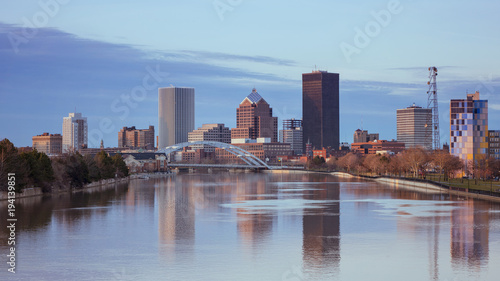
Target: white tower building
75, 132
175, 115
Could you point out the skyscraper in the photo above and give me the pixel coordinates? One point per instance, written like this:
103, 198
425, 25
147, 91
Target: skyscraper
175, 115
75, 132
469, 127
254, 119
320, 109
412, 127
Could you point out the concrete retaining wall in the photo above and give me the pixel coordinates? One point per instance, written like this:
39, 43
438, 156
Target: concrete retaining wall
28, 192
422, 186
37, 191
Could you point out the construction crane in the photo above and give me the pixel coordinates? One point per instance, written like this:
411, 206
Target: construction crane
432, 103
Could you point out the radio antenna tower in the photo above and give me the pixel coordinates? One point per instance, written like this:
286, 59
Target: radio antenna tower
432, 102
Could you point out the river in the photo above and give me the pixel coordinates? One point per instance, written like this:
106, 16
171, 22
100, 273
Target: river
247, 226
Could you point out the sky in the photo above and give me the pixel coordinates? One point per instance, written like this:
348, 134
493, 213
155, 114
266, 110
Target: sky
106, 59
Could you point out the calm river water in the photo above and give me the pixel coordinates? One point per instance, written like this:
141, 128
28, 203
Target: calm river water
254, 227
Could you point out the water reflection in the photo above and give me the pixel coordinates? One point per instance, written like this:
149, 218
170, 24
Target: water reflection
321, 229
470, 245
261, 227
176, 215
69, 210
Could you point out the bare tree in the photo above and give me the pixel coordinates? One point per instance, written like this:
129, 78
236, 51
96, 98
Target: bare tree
416, 159
349, 161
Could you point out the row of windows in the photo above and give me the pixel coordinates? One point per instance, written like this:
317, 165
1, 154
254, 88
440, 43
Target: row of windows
461, 104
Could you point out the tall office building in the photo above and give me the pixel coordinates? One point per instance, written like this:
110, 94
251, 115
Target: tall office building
75, 132
210, 132
175, 115
292, 133
320, 109
135, 138
469, 127
254, 119
48, 143
412, 127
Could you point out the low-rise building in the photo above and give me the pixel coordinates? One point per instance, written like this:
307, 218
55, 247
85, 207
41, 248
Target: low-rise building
145, 162
130, 137
48, 143
494, 143
364, 136
377, 145
210, 132
321, 153
292, 133
266, 151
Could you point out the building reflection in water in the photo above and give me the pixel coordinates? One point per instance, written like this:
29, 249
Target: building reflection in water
321, 228
470, 235
253, 225
176, 217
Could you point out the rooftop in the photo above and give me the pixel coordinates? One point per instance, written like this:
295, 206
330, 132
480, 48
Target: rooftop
254, 97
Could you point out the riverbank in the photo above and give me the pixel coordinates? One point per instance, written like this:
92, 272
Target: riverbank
424, 186
90, 187
94, 186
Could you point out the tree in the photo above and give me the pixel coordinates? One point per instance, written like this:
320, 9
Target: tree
495, 167
349, 161
39, 169
332, 163
318, 161
11, 162
483, 169
71, 168
120, 166
94, 172
415, 159
452, 165
105, 165
395, 166
445, 163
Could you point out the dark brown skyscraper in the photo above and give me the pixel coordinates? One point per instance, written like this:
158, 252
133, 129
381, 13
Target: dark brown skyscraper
254, 119
320, 109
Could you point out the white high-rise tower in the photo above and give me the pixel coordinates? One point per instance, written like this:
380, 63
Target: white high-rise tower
75, 132
175, 115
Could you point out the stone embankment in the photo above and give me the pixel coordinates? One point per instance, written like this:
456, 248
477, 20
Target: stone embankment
421, 186
94, 186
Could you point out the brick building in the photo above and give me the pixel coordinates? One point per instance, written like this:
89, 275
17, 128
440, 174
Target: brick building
137, 138
254, 119
377, 145
48, 143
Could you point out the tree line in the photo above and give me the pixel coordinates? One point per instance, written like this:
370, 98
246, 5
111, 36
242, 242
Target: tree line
70, 170
413, 162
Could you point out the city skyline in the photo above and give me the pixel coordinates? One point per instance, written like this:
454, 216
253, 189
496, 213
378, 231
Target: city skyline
116, 70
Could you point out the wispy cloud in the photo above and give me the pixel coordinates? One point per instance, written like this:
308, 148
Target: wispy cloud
56, 71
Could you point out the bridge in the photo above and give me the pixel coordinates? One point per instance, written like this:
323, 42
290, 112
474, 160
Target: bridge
251, 160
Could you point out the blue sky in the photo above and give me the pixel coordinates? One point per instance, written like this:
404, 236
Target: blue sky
94, 57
